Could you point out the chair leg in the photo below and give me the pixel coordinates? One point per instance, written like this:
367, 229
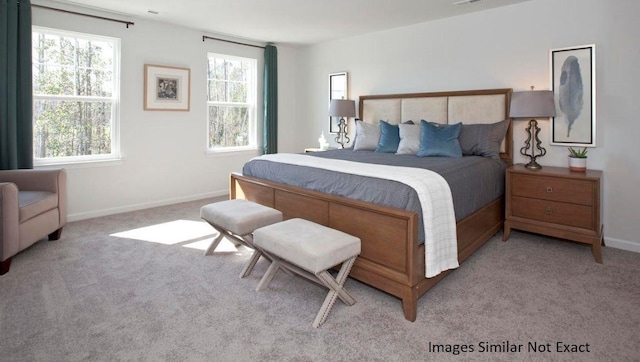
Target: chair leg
4, 266
55, 235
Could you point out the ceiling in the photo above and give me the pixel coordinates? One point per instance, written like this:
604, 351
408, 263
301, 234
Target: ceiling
295, 22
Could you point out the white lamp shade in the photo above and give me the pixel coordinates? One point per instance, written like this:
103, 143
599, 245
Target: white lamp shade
532, 104
342, 108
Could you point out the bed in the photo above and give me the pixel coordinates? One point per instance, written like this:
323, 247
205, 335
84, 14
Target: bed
393, 251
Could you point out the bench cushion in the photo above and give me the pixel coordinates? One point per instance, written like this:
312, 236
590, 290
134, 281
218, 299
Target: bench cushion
240, 217
311, 246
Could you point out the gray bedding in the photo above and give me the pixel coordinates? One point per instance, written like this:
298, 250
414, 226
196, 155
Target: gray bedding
474, 181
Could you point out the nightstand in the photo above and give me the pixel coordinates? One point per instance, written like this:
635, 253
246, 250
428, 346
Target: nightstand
556, 202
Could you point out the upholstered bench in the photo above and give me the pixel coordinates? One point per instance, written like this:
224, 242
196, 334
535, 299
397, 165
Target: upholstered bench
309, 249
237, 219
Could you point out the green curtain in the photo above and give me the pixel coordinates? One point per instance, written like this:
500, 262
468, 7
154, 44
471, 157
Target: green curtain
16, 113
270, 130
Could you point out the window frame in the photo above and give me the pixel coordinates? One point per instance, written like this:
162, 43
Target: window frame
252, 105
115, 154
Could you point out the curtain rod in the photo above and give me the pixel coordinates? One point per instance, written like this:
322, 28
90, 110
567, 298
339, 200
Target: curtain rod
231, 41
127, 23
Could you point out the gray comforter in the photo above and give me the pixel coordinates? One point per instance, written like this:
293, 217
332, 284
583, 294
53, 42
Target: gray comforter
474, 181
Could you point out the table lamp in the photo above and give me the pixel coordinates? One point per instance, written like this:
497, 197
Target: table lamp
342, 108
532, 104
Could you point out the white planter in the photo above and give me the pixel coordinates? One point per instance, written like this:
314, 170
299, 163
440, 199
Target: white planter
578, 164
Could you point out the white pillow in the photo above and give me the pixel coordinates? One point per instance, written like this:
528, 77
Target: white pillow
367, 136
409, 139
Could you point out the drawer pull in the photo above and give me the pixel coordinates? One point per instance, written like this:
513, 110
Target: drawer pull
549, 189
548, 211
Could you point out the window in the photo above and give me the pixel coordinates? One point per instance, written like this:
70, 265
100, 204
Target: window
231, 103
75, 96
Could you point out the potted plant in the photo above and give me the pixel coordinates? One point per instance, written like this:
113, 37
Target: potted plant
578, 159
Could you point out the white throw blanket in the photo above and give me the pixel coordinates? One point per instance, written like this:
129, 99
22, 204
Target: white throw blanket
441, 246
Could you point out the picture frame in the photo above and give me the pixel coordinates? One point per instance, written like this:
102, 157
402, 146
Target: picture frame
338, 89
166, 88
573, 80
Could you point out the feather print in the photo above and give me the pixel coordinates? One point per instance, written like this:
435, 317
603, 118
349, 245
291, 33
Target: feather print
571, 91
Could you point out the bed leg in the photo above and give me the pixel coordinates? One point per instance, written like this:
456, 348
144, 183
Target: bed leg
410, 307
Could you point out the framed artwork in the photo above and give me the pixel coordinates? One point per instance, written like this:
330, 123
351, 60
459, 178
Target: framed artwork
573, 78
338, 89
166, 88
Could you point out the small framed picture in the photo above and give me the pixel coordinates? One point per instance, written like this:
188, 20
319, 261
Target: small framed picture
573, 78
166, 88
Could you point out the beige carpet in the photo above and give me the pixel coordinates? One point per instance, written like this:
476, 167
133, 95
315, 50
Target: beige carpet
136, 286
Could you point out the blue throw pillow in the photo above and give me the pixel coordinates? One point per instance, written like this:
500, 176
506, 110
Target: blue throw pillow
389, 138
439, 140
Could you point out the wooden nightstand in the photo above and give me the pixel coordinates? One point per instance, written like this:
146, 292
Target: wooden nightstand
556, 202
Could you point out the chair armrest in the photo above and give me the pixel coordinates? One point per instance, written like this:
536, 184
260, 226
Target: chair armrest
34, 180
51, 180
9, 223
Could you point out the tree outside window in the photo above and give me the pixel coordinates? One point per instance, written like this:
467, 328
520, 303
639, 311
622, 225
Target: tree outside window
231, 102
75, 96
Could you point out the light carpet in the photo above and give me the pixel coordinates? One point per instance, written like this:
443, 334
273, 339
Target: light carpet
136, 286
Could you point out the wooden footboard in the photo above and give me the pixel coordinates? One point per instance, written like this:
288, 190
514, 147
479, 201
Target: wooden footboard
391, 259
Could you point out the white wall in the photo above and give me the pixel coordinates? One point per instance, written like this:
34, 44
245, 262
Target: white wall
163, 153
164, 158
503, 47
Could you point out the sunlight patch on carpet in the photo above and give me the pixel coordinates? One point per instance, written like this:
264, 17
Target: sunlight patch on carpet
173, 232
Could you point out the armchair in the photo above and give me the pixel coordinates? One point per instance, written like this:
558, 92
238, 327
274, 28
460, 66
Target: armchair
33, 205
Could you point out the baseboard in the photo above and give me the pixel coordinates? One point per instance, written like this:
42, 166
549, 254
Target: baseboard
622, 244
142, 206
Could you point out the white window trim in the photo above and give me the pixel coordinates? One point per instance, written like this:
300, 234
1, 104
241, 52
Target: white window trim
252, 93
115, 104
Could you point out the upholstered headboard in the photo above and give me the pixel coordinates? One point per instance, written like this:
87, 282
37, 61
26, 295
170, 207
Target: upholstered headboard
468, 107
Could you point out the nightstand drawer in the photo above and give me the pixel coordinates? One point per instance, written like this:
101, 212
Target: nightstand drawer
552, 188
554, 212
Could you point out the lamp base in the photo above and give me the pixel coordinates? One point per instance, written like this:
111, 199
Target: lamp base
534, 143
342, 137
533, 165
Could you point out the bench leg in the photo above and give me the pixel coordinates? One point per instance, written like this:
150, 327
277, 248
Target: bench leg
237, 241
245, 240
336, 289
251, 264
292, 270
271, 272
214, 244
246, 271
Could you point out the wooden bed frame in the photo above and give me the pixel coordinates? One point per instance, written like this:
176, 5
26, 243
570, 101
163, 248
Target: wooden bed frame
391, 258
